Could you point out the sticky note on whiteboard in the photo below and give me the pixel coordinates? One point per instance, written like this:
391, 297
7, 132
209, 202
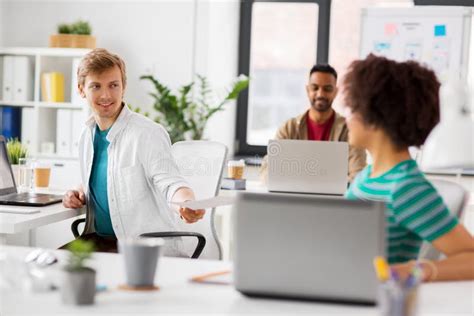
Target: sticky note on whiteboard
440, 30
390, 29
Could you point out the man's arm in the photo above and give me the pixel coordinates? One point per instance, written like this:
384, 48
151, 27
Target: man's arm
160, 166
357, 161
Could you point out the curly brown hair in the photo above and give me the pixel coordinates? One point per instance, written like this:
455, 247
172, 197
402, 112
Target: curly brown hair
401, 98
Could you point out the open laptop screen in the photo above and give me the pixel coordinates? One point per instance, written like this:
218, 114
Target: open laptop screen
7, 183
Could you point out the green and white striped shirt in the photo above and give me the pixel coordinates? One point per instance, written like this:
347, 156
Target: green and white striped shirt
415, 211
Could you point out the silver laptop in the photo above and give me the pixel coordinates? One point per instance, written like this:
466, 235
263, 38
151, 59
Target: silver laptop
307, 247
303, 166
8, 192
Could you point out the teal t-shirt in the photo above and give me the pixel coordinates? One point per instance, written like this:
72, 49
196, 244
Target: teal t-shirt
415, 211
98, 184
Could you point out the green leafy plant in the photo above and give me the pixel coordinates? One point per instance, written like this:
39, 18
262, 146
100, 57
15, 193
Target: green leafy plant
64, 29
79, 252
184, 115
80, 27
16, 150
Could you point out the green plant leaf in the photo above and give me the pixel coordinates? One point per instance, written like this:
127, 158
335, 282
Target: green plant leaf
79, 251
81, 28
64, 29
16, 150
186, 113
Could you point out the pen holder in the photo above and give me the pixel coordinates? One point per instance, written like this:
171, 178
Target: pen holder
396, 300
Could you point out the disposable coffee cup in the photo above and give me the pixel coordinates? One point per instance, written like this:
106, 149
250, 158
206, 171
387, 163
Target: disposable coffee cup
235, 169
141, 260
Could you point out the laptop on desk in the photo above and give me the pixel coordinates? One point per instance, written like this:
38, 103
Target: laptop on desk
8, 192
307, 247
302, 166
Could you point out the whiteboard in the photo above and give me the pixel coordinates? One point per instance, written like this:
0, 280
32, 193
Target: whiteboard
435, 36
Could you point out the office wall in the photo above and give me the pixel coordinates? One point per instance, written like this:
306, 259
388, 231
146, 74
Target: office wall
171, 39
217, 58
1, 23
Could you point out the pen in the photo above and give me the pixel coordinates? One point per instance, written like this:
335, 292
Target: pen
381, 268
394, 275
414, 277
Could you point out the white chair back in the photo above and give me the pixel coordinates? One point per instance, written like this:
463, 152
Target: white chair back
455, 197
201, 163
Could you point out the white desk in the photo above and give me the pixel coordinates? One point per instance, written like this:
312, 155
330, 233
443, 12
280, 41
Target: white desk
178, 295
11, 223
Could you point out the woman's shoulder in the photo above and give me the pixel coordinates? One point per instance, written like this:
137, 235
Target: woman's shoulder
410, 180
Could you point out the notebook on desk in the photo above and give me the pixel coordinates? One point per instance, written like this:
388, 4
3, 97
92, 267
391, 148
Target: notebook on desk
8, 192
307, 247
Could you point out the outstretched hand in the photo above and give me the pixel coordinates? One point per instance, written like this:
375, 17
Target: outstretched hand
191, 216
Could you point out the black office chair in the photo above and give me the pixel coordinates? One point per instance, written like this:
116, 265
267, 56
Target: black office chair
197, 252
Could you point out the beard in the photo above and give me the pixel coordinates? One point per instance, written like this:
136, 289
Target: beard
321, 104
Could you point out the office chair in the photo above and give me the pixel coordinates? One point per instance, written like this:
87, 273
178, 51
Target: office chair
201, 163
455, 197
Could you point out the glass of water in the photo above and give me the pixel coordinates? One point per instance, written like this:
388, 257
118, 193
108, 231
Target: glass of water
25, 183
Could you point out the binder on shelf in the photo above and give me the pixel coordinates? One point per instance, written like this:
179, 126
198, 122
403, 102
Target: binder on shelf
52, 87
22, 79
64, 132
11, 122
28, 126
76, 98
17, 79
7, 78
78, 121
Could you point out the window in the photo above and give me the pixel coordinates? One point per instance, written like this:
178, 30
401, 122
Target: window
279, 43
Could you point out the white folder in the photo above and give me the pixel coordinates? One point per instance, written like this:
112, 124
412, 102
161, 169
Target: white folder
7, 76
22, 79
64, 132
28, 127
78, 125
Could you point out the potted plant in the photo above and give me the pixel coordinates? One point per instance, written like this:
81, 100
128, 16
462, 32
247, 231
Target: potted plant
75, 35
78, 283
16, 150
185, 114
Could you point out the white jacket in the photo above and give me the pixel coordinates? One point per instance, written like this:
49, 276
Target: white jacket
142, 177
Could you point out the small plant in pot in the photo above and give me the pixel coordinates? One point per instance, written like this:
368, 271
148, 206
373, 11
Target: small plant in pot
78, 282
16, 150
75, 35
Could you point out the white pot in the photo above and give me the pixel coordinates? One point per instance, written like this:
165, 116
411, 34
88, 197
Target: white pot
78, 287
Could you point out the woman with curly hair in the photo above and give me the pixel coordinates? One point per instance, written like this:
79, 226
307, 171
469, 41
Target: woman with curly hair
394, 105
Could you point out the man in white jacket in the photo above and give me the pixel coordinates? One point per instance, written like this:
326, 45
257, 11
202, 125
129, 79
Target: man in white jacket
130, 181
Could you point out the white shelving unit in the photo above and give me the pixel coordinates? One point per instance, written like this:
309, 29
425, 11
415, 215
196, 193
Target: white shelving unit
42, 123
41, 120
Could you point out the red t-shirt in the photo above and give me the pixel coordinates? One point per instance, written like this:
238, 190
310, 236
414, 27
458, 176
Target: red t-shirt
320, 131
